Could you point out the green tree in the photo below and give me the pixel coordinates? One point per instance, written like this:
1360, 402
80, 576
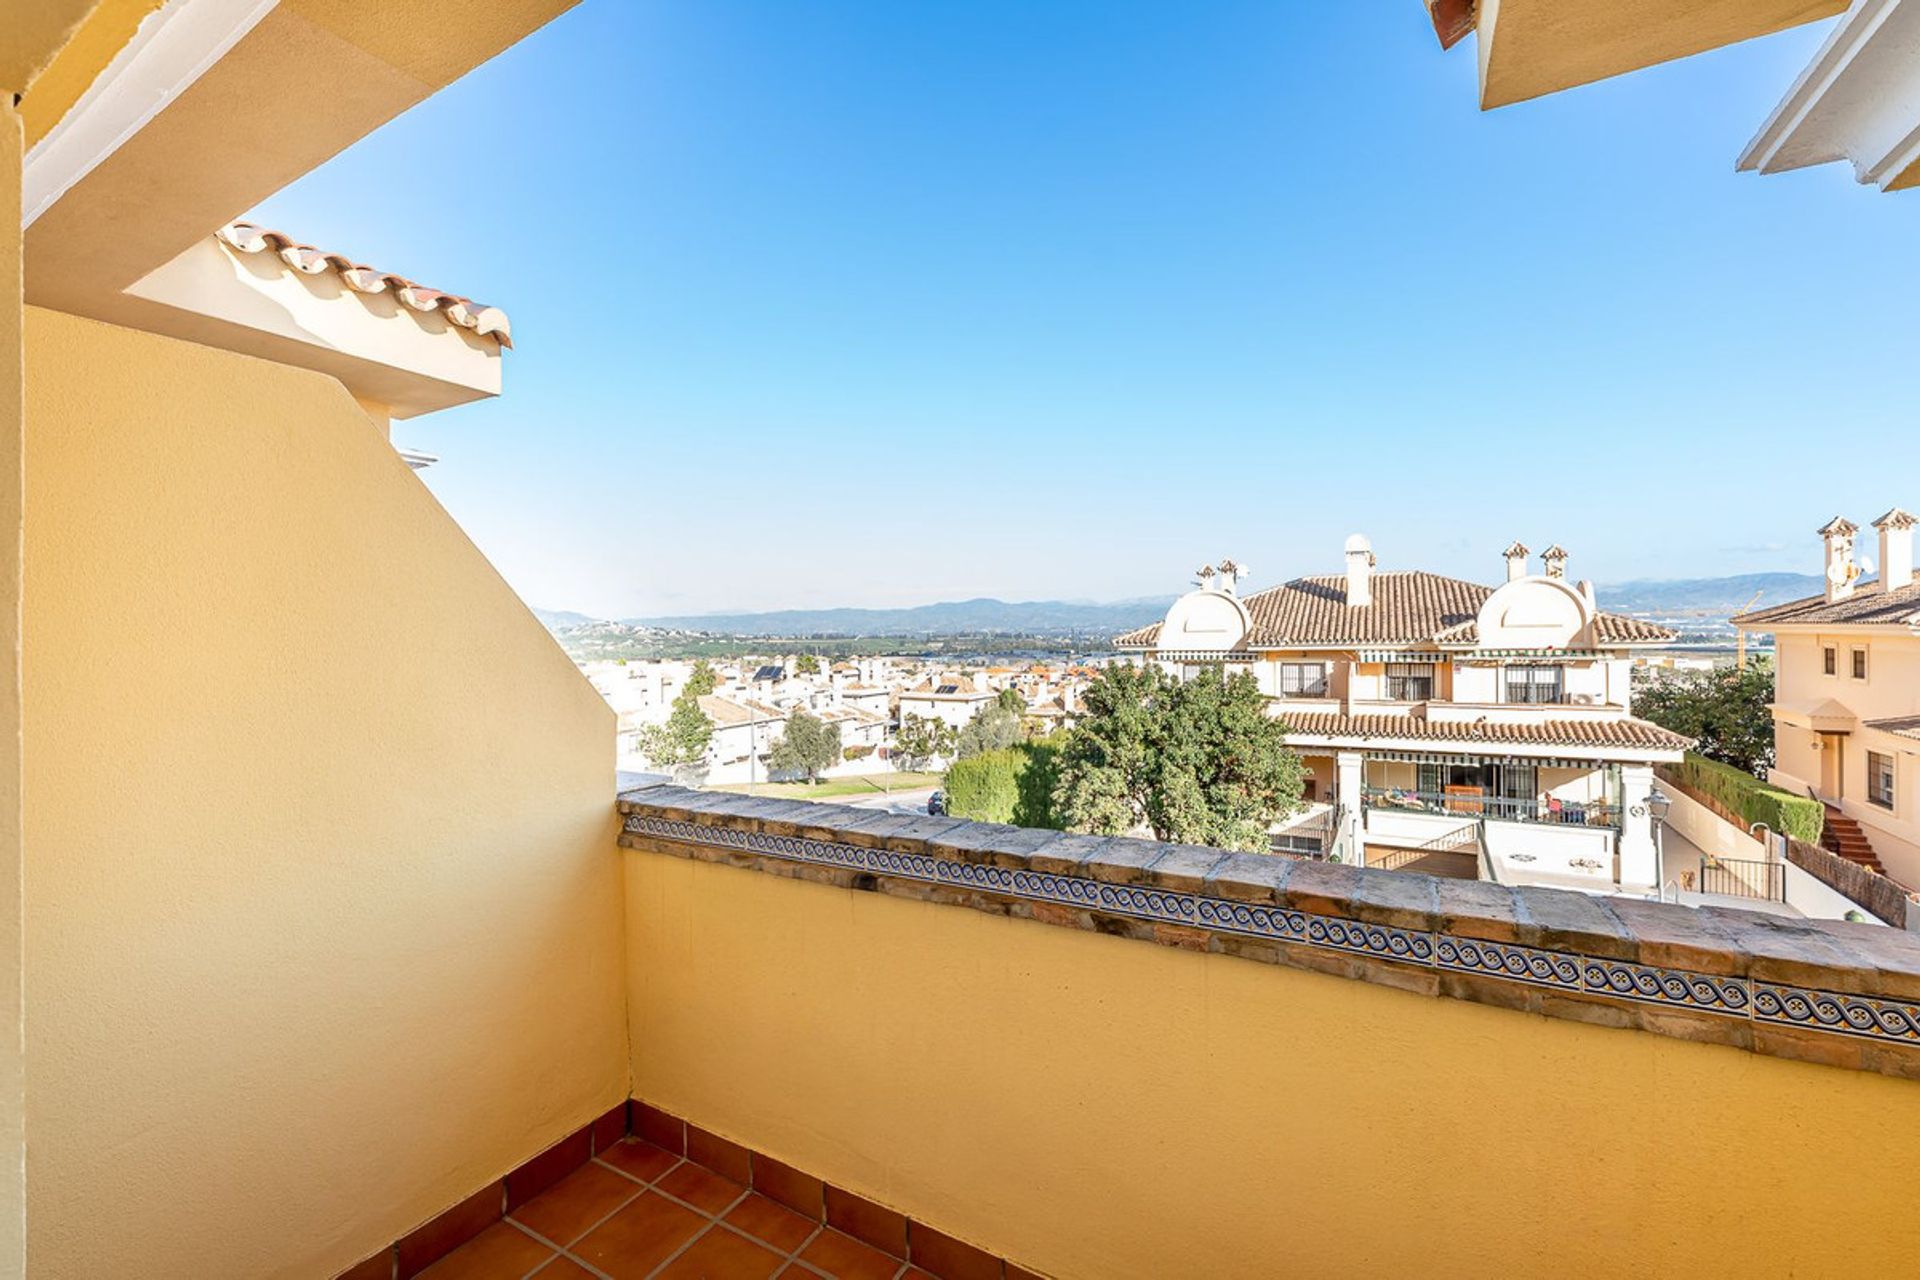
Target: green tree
1724, 709
1197, 761
994, 727
701, 681
809, 746
683, 739
1010, 699
919, 741
807, 665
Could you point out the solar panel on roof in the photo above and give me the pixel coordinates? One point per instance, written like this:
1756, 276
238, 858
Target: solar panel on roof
948, 688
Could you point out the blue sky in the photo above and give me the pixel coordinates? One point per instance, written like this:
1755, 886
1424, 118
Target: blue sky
871, 303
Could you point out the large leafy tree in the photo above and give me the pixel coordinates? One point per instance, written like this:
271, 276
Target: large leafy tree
1725, 709
809, 746
807, 665
701, 681
1196, 761
684, 738
920, 740
994, 727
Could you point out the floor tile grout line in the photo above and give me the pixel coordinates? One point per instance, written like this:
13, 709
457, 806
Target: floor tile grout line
592, 1227
562, 1249
632, 1177
685, 1245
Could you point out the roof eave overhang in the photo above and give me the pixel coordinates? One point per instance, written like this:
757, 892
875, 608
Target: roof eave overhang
244, 111
1530, 48
1545, 750
1858, 100
383, 351
1904, 626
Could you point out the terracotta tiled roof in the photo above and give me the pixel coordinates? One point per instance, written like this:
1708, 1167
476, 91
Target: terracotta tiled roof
1627, 734
947, 686
1409, 607
244, 237
726, 711
1867, 606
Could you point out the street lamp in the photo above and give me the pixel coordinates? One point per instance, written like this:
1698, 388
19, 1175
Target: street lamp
1658, 806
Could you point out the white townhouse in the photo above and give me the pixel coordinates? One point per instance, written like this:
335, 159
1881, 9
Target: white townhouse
1447, 726
949, 696
1846, 708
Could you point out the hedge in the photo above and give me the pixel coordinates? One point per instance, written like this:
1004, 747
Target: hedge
1755, 801
1014, 785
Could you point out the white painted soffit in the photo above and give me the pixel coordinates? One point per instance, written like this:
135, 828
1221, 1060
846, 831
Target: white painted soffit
173, 47
1858, 100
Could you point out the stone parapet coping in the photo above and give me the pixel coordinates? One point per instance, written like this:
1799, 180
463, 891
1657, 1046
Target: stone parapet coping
1841, 994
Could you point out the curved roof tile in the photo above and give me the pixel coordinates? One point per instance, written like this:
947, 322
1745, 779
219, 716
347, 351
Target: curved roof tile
244, 237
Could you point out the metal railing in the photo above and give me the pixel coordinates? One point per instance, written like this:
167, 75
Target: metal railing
1547, 810
1744, 878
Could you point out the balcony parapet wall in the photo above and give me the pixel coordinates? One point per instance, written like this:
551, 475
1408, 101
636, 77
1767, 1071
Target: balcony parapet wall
1839, 994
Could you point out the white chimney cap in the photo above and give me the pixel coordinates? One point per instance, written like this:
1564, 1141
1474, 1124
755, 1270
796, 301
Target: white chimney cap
1358, 542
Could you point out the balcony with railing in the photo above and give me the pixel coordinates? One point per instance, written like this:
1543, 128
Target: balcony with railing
333, 954
1472, 803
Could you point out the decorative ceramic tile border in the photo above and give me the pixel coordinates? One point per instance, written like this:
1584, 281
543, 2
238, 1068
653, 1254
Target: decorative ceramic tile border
1717, 976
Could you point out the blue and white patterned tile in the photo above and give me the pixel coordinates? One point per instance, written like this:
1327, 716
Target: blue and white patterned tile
1508, 960
1678, 988
1896, 1021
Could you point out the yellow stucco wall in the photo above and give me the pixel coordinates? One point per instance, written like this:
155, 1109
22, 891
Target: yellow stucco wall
13, 1188
324, 910
1099, 1107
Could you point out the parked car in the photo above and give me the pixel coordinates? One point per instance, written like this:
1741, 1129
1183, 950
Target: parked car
937, 804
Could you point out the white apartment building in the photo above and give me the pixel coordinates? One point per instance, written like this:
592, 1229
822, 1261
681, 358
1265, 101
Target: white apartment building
1447, 726
950, 696
1846, 709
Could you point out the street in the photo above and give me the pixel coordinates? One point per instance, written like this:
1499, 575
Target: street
907, 802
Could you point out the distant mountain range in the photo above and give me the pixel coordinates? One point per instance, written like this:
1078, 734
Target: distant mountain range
1709, 597
953, 617
1705, 597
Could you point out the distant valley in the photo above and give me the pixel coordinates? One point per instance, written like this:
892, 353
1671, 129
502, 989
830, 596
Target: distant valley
987, 624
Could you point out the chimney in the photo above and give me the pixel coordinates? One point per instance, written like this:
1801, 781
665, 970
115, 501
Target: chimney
1555, 560
1896, 549
1516, 561
1841, 570
1359, 571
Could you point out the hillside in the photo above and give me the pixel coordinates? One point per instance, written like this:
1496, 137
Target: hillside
954, 617
1711, 599
1707, 597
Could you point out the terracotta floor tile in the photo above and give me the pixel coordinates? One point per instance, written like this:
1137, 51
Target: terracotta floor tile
702, 1188
501, 1252
847, 1258
952, 1259
563, 1269
640, 1159
579, 1200
640, 1237
776, 1224
722, 1255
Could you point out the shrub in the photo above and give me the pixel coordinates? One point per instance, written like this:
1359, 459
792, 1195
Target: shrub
860, 751
1012, 785
1784, 812
983, 787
